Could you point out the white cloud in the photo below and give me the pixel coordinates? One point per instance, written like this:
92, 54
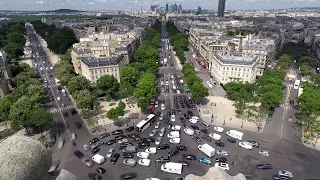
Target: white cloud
135, 1
91, 3
39, 2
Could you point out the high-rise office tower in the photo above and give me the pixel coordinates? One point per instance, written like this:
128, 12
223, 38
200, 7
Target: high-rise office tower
167, 7
221, 8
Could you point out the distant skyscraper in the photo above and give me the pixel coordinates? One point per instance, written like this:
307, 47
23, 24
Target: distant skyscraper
167, 7
199, 10
221, 8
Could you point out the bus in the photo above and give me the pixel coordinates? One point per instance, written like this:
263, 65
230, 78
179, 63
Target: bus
144, 124
296, 84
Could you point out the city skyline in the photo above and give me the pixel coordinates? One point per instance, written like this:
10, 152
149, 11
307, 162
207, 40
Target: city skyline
33, 5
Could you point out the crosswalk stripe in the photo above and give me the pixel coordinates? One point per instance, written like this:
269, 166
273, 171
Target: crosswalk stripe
55, 110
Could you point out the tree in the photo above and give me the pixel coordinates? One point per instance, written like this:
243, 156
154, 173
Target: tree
126, 89
86, 113
5, 105
36, 93
198, 91
20, 113
146, 88
188, 69
44, 140
85, 99
91, 122
192, 79
19, 28
109, 84
129, 74
15, 37
307, 60
78, 83
151, 66
305, 69
13, 50
41, 117
115, 113
261, 115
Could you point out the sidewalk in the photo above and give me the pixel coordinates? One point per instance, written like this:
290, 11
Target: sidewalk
54, 59
308, 143
177, 61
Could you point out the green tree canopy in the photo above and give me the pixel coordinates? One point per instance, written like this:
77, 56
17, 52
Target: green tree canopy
126, 89
129, 74
109, 84
198, 91
85, 99
78, 83
20, 113
145, 89
15, 37
40, 117
13, 50
115, 113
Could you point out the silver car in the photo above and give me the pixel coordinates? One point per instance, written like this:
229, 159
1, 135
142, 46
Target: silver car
157, 125
162, 131
130, 162
161, 117
60, 142
158, 140
222, 152
87, 162
85, 147
110, 152
153, 133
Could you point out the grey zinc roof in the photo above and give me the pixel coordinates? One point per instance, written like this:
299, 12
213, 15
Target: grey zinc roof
237, 59
256, 46
82, 50
101, 62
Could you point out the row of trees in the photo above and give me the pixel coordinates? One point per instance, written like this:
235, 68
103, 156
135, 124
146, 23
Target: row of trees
198, 91
59, 39
178, 40
13, 40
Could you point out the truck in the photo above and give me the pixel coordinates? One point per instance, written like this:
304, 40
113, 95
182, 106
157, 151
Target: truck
207, 150
171, 167
98, 159
235, 134
165, 60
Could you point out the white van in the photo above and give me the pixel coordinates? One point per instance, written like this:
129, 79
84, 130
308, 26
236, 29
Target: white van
174, 134
246, 145
98, 159
235, 134
207, 149
215, 136
171, 167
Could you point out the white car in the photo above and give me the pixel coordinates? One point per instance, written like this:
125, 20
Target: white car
151, 150
157, 125
110, 152
195, 117
215, 136
124, 140
193, 121
158, 140
163, 107
285, 173
176, 128
222, 152
175, 140
153, 132
167, 83
144, 162
60, 142
85, 147
156, 104
189, 131
178, 92
173, 117
162, 131
245, 145
162, 83
264, 153
161, 117
223, 166
210, 86
143, 155
218, 129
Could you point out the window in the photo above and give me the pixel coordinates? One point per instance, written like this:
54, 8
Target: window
92, 72
100, 71
95, 71
104, 70
107, 70
235, 69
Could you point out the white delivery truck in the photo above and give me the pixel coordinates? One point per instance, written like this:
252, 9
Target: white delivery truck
207, 149
174, 134
165, 60
171, 167
235, 134
98, 159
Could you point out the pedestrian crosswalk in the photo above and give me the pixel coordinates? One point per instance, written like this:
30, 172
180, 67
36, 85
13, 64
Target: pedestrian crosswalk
171, 94
286, 106
55, 110
51, 86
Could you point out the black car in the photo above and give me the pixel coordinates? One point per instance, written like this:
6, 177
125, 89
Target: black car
206, 137
163, 146
166, 121
188, 106
181, 148
94, 176
219, 143
222, 160
94, 151
94, 140
190, 113
128, 176
101, 170
65, 114
149, 139
205, 131
143, 144
114, 158
125, 144
117, 132
78, 154
186, 116
264, 166
136, 139
104, 135
189, 157
127, 155
190, 101
182, 105
173, 152
134, 135
78, 125
232, 140
184, 163
196, 139
120, 137
182, 120
173, 112
254, 144
110, 142
131, 128
73, 111
162, 159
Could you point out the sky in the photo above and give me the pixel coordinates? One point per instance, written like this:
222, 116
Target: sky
136, 4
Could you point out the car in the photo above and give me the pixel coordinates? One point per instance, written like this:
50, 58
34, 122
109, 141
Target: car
205, 131
144, 162
176, 128
163, 107
193, 106
78, 125
193, 121
151, 150
127, 155
218, 129
219, 143
78, 154
215, 136
157, 125
181, 148
85, 147
222, 152
97, 144
173, 152
158, 140
60, 142
120, 137
117, 132
110, 153
254, 144
130, 162
162, 131
129, 129
133, 135
278, 177
87, 162
206, 137
189, 157
190, 113
184, 163
175, 140
156, 104
222, 159
149, 139
196, 139
94, 176
264, 166
153, 132
110, 142
94, 140
205, 160
182, 120
264, 153
189, 131
104, 135
163, 146
245, 145
179, 112
114, 158
232, 140
73, 111
143, 144
285, 173
173, 117
65, 114
101, 170
161, 117
162, 159
221, 165
128, 176
94, 151
166, 121
169, 126
143, 155
122, 141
